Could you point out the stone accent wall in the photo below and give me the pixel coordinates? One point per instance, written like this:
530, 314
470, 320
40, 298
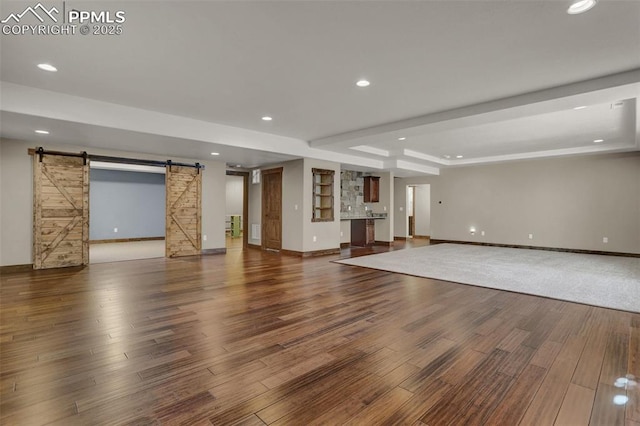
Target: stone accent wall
352, 193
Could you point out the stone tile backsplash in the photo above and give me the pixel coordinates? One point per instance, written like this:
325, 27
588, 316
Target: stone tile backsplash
352, 193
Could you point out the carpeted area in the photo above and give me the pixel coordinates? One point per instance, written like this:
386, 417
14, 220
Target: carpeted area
607, 281
117, 252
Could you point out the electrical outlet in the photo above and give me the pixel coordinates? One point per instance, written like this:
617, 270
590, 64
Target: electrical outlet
295, 207
204, 238
531, 236
401, 208
341, 234
605, 240
482, 233
315, 239
115, 230
384, 208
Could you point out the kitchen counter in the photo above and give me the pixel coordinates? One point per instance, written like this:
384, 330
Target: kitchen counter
361, 217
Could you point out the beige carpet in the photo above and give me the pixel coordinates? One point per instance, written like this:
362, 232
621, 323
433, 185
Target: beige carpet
117, 252
607, 281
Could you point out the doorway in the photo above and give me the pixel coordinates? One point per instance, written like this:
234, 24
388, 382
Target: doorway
419, 211
237, 210
127, 205
61, 205
272, 209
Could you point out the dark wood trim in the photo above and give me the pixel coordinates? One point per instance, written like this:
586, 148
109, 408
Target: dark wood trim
206, 252
566, 250
126, 240
254, 246
109, 159
400, 238
422, 237
310, 253
280, 171
383, 243
16, 268
345, 245
245, 205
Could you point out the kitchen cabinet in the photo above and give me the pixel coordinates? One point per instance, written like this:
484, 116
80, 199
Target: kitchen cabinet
371, 189
363, 232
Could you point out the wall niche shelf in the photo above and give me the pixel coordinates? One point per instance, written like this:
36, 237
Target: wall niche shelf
323, 205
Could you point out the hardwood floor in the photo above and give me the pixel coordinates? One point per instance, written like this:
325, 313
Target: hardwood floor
255, 338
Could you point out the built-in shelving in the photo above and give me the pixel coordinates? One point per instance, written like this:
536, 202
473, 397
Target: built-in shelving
323, 199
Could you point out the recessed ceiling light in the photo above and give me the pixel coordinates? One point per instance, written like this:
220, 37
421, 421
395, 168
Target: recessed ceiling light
238, 165
620, 399
47, 67
580, 6
580, 107
402, 138
362, 83
42, 132
215, 153
459, 156
267, 118
598, 140
447, 156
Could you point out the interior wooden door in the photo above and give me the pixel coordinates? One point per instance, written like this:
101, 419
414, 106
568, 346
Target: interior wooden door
183, 221
272, 209
60, 211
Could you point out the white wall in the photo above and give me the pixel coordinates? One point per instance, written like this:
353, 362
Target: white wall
292, 181
293, 205
255, 211
17, 203
384, 227
423, 210
327, 233
400, 225
345, 231
564, 202
234, 194
297, 228
16, 196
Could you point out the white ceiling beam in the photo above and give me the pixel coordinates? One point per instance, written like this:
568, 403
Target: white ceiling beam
58, 106
600, 90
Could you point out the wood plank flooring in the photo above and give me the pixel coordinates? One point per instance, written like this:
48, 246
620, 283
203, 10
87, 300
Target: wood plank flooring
253, 338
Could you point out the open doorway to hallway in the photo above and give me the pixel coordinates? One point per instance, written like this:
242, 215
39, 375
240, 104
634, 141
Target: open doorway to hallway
236, 217
418, 212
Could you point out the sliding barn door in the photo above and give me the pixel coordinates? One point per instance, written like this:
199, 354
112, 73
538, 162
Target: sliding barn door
60, 210
183, 227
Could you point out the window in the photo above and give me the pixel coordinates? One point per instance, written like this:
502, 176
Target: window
322, 195
255, 176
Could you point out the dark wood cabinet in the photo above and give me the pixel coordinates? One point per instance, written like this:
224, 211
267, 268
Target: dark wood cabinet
371, 189
363, 232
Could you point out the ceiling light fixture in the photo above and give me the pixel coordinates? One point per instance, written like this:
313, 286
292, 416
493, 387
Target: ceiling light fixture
459, 156
362, 83
215, 153
580, 6
580, 107
238, 165
47, 67
42, 132
267, 118
402, 138
598, 140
